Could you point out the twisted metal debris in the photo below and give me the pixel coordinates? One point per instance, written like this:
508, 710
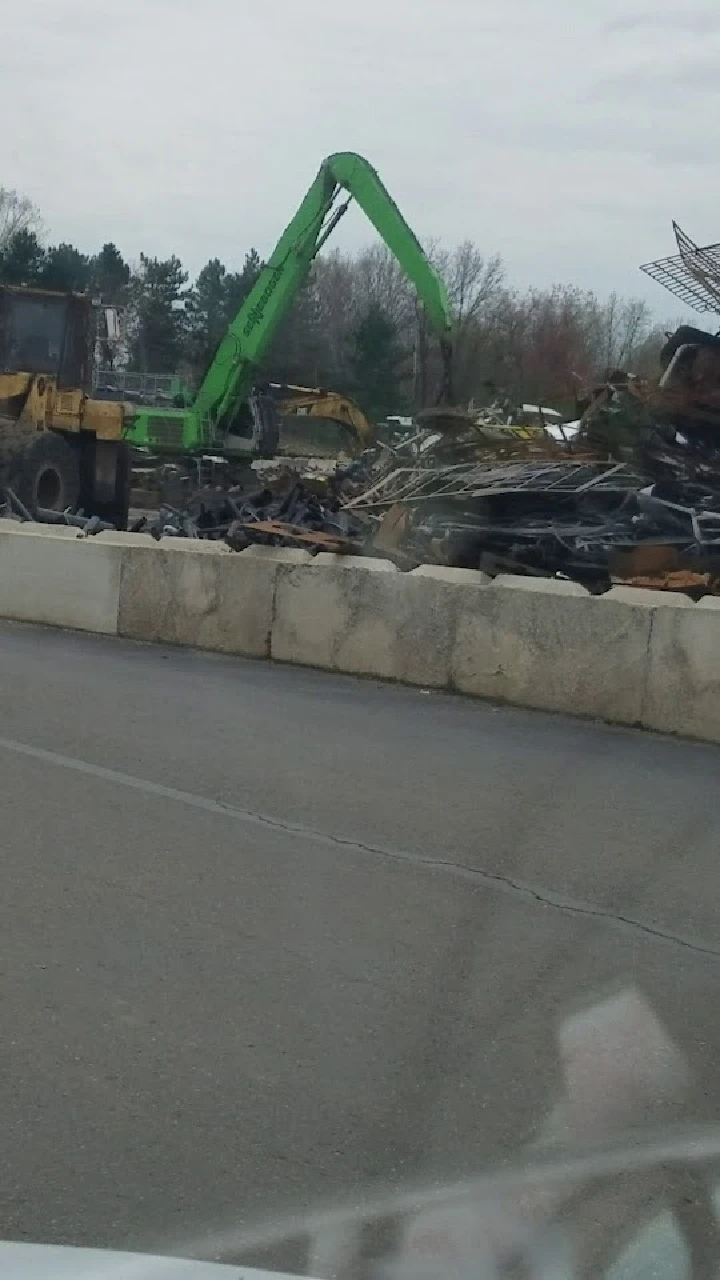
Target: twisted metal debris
631, 493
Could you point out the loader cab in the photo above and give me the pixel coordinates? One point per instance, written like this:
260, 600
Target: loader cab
46, 333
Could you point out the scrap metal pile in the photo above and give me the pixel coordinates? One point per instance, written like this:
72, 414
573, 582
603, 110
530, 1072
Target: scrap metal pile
632, 496
291, 512
628, 497
629, 493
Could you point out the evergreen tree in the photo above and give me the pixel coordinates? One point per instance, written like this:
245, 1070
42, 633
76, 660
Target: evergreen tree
206, 311
110, 275
65, 269
159, 321
213, 302
378, 364
21, 262
239, 283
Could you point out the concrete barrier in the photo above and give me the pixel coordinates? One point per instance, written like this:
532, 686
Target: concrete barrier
328, 614
549, 644
199, 594
630, 657
683, 678
365, 617
49, 575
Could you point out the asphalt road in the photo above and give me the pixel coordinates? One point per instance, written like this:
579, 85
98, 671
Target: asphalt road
269, 935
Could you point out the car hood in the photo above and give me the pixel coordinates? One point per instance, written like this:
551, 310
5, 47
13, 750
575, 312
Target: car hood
57, 1262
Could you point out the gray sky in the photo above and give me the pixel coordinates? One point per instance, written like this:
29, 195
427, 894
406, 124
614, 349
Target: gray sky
564, 134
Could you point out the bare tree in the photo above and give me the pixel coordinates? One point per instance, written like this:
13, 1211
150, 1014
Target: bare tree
645, 358
636, 324
473, 281
380, 279
334, 287
624, 324
17, 213
346, 286
474, 284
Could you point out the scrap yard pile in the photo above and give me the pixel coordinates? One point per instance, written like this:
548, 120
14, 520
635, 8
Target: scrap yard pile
633, 495
290, 511
629, 493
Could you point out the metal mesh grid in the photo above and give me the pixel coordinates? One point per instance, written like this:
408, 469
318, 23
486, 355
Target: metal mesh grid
692, 275
409, 485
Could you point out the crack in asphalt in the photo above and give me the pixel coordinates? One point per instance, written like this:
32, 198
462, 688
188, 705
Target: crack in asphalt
459, 870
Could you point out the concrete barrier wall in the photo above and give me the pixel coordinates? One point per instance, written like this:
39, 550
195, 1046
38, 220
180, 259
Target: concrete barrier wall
199, 595
630, 657
53, 578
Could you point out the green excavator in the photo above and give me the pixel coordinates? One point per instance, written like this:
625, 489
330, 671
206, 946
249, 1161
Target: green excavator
65, 441
229, 416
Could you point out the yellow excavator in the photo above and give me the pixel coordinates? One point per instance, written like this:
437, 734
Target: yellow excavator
329, 406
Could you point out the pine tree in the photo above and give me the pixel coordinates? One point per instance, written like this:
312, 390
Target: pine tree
378, 364
110, 275
206, 311
21, 262
159, 321
65, 269
213, 303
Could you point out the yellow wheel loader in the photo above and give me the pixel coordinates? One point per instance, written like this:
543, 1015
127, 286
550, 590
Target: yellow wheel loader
59, 447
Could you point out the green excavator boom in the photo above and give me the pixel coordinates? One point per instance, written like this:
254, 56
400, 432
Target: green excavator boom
225, 416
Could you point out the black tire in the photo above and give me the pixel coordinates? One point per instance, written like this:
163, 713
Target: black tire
117, 511
40, 467
123, 487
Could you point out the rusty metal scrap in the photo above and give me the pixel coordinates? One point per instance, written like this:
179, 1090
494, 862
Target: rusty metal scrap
651, 488
278, 533
631, 496
684, 580
569, 515
665, 568
296, 516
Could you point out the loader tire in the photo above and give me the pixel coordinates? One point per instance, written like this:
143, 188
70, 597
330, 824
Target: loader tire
123, 487
40, 467
117, 511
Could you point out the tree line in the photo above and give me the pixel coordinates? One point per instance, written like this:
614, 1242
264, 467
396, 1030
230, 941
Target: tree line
356, 325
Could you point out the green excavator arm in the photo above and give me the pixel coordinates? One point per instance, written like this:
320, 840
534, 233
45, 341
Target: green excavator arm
226, 388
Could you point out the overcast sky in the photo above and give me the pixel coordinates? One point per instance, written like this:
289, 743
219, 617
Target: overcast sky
564, 134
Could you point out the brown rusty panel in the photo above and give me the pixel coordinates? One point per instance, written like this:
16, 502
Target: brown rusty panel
677, 580
643, 560
663, 568
311, 538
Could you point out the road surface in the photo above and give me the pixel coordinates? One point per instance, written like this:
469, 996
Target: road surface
269, 935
